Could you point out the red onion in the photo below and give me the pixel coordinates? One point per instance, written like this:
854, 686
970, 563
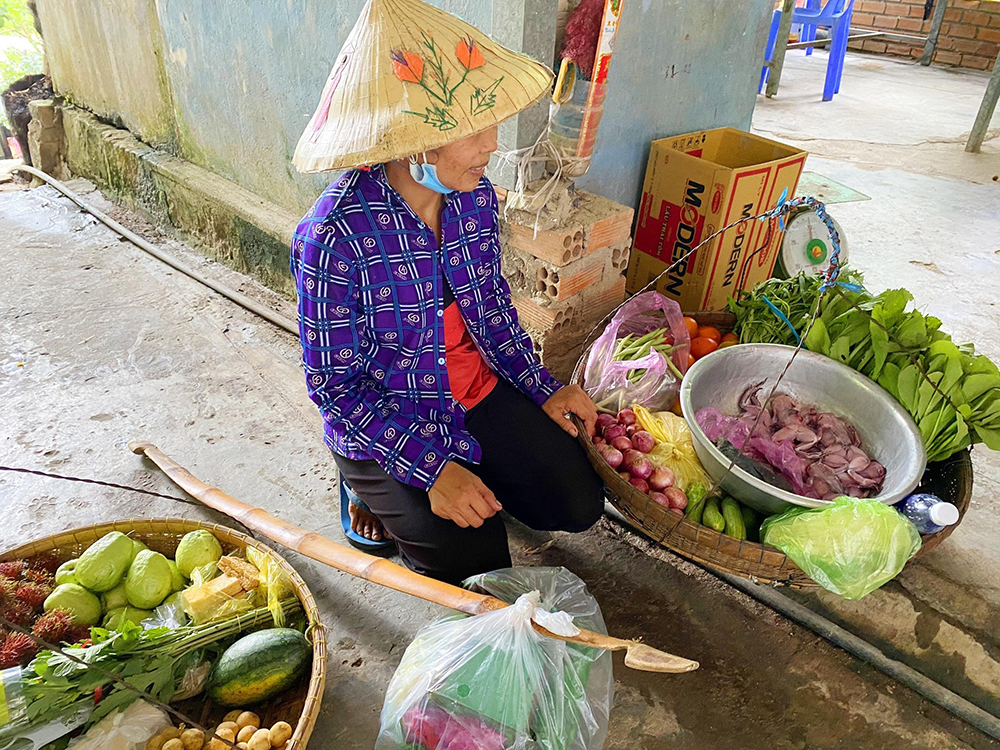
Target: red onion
626, 417
615, 430
622, 443
625, 475
612, 456
643, 441
599, 441
604, 421
642, 468
639, 484
659, 497
661, 478
677, 498
632, 457
678, 511
631, 429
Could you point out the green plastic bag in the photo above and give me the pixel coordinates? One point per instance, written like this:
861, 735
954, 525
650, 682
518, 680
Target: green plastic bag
850, 548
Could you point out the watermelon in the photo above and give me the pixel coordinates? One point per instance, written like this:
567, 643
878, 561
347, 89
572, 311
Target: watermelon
259, 666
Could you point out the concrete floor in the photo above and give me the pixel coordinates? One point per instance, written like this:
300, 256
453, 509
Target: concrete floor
896, 132
889, 113
103, 344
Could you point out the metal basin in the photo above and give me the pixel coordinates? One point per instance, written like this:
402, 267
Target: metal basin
888, 434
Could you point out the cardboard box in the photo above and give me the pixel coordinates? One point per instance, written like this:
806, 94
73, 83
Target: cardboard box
696, 184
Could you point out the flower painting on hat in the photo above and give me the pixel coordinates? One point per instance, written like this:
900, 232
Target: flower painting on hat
435, 79
409, 78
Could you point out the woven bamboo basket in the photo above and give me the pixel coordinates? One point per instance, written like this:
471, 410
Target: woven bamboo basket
950, 480
300, 705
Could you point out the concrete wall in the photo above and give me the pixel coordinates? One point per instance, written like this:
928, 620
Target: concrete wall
107, 55
679, 66
227, 85
230, 85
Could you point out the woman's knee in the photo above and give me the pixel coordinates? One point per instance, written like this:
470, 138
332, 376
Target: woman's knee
581, 501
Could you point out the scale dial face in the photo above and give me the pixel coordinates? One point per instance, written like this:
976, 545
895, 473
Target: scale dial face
807, 246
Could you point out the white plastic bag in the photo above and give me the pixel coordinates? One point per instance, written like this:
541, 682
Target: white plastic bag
492, 682
123, 730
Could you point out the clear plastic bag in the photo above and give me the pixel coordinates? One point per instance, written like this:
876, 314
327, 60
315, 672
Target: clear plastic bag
616, 385
492, 682
16, 731
275, 584
168, 615
850, 547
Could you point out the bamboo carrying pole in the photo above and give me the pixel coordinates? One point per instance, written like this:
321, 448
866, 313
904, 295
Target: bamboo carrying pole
375, 569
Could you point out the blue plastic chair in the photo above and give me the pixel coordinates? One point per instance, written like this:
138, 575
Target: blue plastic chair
836, 15
808, 30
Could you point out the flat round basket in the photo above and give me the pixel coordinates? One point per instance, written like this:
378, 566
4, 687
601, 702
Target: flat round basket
950, 480
300, 705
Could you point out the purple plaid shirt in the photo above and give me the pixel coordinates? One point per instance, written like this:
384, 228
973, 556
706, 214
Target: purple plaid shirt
369, 278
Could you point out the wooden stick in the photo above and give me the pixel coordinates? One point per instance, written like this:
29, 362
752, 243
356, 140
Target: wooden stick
380, 571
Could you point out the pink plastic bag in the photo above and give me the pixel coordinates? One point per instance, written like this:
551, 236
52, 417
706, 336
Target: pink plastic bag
608, 382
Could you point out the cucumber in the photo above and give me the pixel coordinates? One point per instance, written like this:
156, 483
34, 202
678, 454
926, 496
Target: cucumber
712, 516
734, 519
696, 501
259, 666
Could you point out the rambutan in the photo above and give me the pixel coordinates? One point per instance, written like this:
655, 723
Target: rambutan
45, 562
20, 647
32, 594
17, 612
7, 588
8, 659
41, 577
54, 626
12, 569
78, 633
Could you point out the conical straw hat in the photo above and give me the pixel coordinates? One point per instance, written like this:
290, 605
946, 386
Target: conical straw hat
411, 78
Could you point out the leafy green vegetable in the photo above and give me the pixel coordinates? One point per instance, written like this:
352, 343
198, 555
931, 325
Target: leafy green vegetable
952, 394
150, 660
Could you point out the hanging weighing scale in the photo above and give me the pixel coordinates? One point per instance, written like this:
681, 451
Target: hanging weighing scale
806, 246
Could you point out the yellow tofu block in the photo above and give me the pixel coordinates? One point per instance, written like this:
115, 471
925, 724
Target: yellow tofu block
201, 602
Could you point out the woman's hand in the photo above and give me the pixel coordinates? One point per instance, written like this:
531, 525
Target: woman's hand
460, 496
571, 399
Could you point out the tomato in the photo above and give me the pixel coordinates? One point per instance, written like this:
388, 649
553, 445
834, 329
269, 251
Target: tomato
702, 346
727, 344
731, 338
692, 325
708, 332
691, 361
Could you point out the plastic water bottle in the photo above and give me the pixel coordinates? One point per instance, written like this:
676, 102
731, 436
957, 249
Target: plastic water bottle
929, 513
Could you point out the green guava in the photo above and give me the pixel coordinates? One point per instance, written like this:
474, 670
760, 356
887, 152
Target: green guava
67, 573
197, 548
149, 580
114, 618
114, 599
137, 547
104, 563
75, 599
178, 581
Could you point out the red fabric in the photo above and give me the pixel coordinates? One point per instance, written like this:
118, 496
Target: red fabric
470, 377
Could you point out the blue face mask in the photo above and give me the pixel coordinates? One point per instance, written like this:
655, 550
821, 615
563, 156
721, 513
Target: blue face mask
426, 175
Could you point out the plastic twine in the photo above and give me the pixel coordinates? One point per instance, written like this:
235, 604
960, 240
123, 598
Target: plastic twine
782, 317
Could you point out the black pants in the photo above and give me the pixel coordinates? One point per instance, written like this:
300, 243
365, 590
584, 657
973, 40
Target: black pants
537, 471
